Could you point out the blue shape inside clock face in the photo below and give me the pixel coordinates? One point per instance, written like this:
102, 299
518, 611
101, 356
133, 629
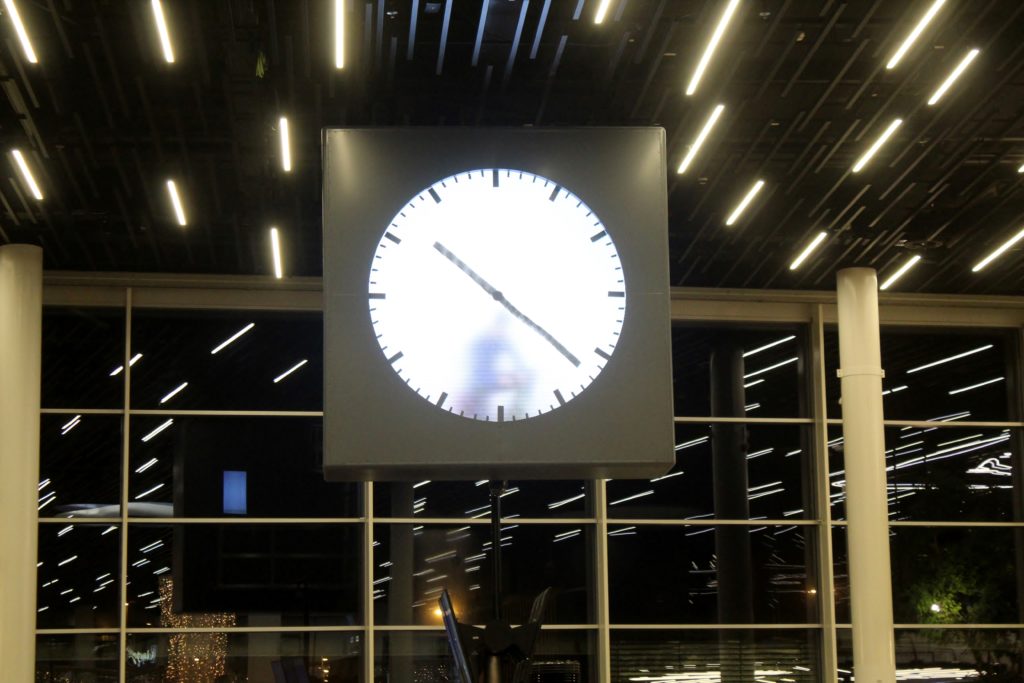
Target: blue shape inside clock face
497, 295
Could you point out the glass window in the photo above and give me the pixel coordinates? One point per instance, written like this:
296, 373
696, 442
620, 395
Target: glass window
937, 374
225, 656
232, 467
83, 349
567, 498
82, 657
413, 563
78, 575
707, 574
80, 465
244, 574
766, 371
728, 655
770, 461
227, 360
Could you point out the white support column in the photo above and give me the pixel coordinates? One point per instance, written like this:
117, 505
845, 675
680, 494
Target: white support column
21, 311
867, 528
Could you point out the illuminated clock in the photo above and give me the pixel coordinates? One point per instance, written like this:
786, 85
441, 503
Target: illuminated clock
496, 294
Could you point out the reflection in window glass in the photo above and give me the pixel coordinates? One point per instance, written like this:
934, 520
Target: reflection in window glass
707, 574
945, 655
214, 657
936, 374
764, 365
756, 471
244, 574
936, 474
227, 360
83, 358
566, 498
181, 467
81, 657
78, 576
413, 563
729, 655
79, 465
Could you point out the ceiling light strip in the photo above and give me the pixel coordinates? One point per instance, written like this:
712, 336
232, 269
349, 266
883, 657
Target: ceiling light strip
19, 28
759, 349
602, 11
911, 262
999, 251
949, 359
275, 247
232, 338
946, 84
975, 386
179, 210
286, 149
818, 239
19, 159
709, 51
913, 35
339, 34
174, 392
877, 145
161, 29
695, 147
741, 207
290, 371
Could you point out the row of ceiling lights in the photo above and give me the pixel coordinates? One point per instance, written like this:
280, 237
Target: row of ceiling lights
599, 16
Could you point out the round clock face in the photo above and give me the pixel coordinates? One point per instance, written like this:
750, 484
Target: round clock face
497, 295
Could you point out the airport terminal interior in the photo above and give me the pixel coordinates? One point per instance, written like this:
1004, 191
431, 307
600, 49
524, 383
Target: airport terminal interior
165, 158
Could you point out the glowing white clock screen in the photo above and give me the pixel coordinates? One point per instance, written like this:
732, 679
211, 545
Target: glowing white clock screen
497, 295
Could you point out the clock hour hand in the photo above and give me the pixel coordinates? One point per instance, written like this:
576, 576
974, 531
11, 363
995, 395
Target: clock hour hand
500, 298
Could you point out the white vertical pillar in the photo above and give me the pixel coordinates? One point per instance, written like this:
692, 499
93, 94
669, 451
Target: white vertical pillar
867, 528
21, 312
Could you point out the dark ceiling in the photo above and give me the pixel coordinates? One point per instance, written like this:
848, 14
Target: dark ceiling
105, 121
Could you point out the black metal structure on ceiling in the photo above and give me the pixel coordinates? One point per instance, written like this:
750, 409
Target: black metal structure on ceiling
104, 121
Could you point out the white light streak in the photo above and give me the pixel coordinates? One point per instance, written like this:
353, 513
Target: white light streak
43, 484
877, 145
70, 559
152, 546
751, 384
741, 207
911, 262
691, 444
161, 29
759, 349
758, 454
286, 149
895, 390
633, 497
423, 483
819, 238
232, 338
975, 386
667, 476
159, 429
145, 466
70, 423
108, 530
947, 360
602, 10
560, 503
26, 173
755, 373
1021, 169
913, 35
66, 530
179, 210
275, 246
290, 370
174, 392
339, 34
999, 251
964, 63
147, 492
19, 28
704, 132
131, 363
709, 50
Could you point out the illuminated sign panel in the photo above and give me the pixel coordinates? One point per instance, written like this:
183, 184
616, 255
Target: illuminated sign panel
495, 303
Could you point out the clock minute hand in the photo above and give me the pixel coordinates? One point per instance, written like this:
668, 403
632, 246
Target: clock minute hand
500, 298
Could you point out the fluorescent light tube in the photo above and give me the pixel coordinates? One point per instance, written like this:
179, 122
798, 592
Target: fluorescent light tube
161, 29
901, 272
179, 210
723, 22
913, 35
19, 28
759, 349
1021, 169
755, 373
26, 173
819, 238
339, 34
146, 493
290, 371
947, 360
975, 386
233, 337
999, 251
602, 10
275, 246
877, 145
159, 429
286, 150
174, 392
749, 197
695, 147
964, 63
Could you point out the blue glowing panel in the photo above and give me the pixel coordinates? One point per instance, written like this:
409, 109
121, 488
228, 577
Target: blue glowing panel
235, 492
